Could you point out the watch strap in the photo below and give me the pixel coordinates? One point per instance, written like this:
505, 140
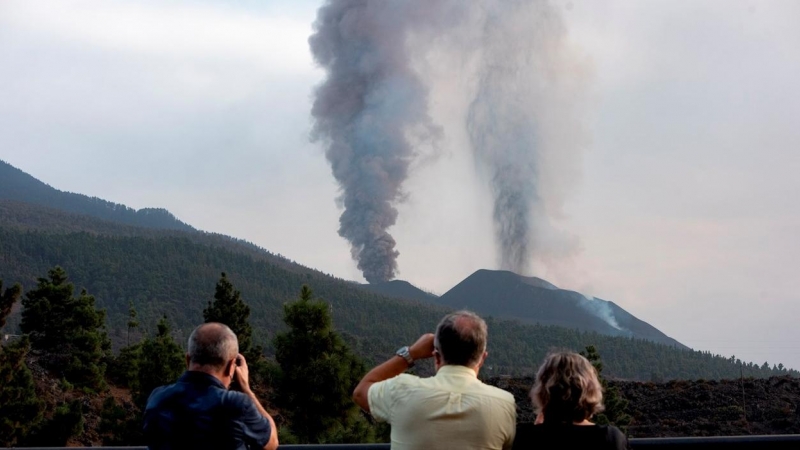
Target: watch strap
404, 353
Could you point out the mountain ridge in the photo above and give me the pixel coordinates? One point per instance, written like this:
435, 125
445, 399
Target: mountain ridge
173, 272
507, 295
21, 186
400, 289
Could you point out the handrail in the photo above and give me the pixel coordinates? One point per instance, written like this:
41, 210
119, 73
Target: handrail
769, 442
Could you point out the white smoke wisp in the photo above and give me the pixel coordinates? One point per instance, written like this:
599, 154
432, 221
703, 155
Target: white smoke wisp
526, 126
601, 309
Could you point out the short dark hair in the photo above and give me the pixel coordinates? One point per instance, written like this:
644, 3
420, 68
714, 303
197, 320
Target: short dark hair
212, 344
461, 338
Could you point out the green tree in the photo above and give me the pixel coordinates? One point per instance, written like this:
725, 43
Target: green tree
123, 370
318, 374
229, 308
161, 362
616, 405
20, 408
7, 300
67, 422
120, 425
67, 330
132, 322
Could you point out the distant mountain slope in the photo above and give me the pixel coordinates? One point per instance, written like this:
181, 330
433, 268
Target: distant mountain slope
32, 217
173, 272
19, 186
175, 276
400, 289
507, 295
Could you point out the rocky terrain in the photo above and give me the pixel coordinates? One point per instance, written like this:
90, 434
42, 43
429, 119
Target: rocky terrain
696, 408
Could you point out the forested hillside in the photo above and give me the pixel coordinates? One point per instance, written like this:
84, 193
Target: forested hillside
18, 185
175, 273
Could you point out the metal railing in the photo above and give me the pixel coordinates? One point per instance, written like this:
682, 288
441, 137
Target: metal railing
776, 442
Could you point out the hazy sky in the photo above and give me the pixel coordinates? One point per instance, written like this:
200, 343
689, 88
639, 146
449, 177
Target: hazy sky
684, 212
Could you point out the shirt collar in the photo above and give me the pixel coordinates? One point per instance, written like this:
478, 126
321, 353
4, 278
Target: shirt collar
452, 369
197, 377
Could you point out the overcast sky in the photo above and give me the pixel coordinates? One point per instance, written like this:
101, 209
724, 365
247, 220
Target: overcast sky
685, 210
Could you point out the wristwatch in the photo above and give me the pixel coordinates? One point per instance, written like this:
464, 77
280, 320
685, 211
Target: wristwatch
405, 354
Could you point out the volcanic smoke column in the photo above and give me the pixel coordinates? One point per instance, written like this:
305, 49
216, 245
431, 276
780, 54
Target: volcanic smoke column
364, 111
522, 125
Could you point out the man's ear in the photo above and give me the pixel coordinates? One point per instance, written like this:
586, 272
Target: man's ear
230, 368
483, 360
188, 360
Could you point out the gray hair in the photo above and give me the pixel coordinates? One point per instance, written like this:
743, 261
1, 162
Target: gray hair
212, 344
461, 338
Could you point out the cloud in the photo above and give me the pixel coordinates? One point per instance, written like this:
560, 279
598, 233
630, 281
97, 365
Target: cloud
167, 30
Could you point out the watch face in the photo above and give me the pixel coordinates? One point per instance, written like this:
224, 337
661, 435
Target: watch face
405, 354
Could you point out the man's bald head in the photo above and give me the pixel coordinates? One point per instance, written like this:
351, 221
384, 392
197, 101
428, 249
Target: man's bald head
461, 338
212, 345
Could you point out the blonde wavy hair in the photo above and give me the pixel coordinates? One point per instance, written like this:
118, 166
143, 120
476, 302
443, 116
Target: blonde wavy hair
567, 389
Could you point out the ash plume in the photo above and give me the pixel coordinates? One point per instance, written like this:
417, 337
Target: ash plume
371, 111
526, 135
365, 111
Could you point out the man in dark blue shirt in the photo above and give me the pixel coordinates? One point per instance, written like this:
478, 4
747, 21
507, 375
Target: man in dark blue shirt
198, 411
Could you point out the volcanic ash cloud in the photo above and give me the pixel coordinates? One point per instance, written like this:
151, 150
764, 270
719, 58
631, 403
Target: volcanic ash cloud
525, 126
363, 111
371, 112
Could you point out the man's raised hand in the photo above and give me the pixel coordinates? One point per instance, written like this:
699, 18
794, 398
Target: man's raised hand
242, 373
423, 348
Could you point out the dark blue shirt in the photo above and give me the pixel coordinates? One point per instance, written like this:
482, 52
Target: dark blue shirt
198, 412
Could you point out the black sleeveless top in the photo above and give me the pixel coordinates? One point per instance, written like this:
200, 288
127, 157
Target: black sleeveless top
568, 436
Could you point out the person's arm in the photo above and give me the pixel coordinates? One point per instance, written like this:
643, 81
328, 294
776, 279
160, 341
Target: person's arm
396, 365
243, 378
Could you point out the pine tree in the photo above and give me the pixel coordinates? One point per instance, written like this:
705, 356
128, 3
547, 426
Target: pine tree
615, 412
67, 422
20, 408
120, 425
162, 361
229, 309
318, 374
7, 300
68, 331
132, 322
123, 370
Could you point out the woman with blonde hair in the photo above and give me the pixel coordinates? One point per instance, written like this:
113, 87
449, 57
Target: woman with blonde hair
565, 395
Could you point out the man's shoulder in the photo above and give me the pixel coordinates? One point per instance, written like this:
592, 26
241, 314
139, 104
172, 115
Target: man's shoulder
500, 395
407, 378
160, 394
404, 380
236, 401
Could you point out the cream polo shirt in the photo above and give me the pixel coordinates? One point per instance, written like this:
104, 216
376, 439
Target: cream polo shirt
452, 410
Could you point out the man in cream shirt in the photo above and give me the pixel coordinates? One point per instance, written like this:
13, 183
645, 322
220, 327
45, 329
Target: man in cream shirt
451, 410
